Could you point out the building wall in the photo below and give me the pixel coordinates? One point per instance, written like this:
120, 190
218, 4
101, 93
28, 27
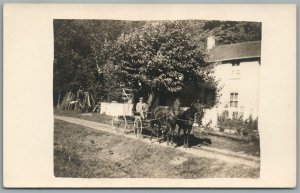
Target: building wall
242, 79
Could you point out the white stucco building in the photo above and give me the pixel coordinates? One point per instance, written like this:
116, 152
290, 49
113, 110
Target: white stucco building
238, 70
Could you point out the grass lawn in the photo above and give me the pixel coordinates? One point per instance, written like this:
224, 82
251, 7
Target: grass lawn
250, 148
88, 153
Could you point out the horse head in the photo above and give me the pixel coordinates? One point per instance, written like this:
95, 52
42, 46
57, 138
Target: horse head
175, 108
176, 104
198, 109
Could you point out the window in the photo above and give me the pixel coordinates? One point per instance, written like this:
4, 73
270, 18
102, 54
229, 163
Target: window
235, 115
235, 70
234, 99
235, 63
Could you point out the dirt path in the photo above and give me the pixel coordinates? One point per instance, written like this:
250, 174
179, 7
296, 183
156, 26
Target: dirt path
207, 152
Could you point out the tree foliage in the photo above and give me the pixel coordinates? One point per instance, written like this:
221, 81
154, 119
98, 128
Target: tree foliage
228, 32
162, 56
81, 51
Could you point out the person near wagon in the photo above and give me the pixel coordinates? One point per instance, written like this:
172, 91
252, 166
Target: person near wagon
141, 107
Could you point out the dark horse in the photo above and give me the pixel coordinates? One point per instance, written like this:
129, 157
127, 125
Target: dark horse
186, 119
165, 117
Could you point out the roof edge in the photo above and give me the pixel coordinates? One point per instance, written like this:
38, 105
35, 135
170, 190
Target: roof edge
227, 59
249, 42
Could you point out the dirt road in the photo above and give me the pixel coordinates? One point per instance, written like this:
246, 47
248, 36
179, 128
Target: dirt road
213, 153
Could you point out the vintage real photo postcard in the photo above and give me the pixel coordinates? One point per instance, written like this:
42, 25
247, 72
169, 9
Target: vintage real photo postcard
149, 95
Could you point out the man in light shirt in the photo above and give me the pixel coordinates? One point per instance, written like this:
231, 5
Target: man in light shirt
141, 107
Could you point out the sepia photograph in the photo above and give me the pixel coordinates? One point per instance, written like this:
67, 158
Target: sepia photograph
156, 99
149, 96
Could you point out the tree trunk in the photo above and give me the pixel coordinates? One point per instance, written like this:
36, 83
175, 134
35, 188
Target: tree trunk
93, 100
58, 100
152, 100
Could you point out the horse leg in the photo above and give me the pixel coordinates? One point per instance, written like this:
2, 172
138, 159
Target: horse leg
168, 135
173, 127
184, 138
188, 136
151, 128
172, 137
151, 131
158, 133
187, 140
178, 136
168, 138
134, 128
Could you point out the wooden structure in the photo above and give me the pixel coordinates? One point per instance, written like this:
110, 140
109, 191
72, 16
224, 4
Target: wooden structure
82, 100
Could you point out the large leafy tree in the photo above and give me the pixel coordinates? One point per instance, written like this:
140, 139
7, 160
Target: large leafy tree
161, 57
81, 52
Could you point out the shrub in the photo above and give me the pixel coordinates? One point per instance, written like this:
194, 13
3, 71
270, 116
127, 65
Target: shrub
244, 127
251, 124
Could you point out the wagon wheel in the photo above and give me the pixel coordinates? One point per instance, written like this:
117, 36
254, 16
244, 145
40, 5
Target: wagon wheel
138, 126
124, 125
119, 124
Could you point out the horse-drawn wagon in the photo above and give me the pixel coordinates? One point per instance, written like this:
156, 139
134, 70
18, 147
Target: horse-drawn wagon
158, 121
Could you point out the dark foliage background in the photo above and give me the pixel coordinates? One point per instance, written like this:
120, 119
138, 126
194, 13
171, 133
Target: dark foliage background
164, 56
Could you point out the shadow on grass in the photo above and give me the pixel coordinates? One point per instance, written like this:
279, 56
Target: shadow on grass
193, 140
